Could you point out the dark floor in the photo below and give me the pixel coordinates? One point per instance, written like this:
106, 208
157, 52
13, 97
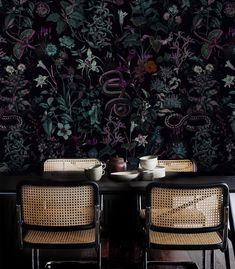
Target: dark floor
121, 256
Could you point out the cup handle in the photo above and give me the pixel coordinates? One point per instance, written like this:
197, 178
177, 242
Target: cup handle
103, 172
103, 165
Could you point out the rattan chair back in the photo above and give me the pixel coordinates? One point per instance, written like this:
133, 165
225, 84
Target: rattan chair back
56, 205
57, 165
187, 207
185, 165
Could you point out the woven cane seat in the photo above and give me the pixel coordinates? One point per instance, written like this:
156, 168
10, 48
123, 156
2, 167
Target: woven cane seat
60, 238
207, 239
186, 218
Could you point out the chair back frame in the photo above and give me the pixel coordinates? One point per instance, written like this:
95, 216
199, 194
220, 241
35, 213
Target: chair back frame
68, 165
40, 194
222, 227
181, 165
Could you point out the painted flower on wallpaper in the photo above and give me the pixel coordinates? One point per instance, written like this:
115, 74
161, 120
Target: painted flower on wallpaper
64, 130
10, 69
150, 67
67, 42
51, 49
89, 64
41, 81
141, 140
229, 81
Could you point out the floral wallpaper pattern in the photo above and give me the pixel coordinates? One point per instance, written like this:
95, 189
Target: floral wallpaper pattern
93, 78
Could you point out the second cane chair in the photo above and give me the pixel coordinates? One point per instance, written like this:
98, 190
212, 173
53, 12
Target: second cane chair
178, 166
186, 217
182, 165
68, 165
58, 215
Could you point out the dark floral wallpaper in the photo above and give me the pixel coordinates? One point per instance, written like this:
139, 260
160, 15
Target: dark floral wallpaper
93, 78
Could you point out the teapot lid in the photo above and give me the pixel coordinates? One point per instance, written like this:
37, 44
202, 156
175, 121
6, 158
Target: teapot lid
117, 159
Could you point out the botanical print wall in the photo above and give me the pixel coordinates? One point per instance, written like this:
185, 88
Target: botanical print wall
93, 78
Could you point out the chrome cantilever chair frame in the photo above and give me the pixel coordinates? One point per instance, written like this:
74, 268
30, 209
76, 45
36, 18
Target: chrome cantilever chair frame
186, 217
58, 215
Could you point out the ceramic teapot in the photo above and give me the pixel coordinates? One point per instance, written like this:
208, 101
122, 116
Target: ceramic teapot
116, 164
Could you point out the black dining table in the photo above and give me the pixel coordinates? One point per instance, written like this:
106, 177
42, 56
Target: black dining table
108, 185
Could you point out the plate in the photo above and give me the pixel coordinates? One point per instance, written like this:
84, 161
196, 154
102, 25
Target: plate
125, 176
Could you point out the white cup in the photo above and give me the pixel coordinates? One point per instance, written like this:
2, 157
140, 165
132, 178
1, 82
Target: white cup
159, 171
95, 172
147, 175
148, 162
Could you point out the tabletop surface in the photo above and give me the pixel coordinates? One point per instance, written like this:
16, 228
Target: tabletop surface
109, 185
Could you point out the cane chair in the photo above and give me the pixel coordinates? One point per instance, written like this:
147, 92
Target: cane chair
197, 219
68, 165
58, 215
185, 165
231, 232
182, 165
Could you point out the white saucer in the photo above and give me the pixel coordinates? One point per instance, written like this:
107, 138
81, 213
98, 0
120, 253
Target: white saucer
125, 175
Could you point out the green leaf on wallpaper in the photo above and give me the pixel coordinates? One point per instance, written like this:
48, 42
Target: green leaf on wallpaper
18, 50
158, 26
27, 22
66, 117
43, 105
69, 10
197, 20
215, 34
233, 125
143, 13
9, 21
47, 126
129, 146
77, 15
73, 23
54, 17
106, 151
185, 4
60, 27
146, 94
215, 22
231, 105
206, 50
132, 40
156, 44
64, 4
50, 100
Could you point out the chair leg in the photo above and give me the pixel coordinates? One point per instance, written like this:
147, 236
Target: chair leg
227, 259
100, 256
212, 259
203, 259
145, 259
35, 258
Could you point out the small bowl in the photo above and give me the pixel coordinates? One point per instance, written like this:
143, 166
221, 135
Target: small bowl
148, 162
